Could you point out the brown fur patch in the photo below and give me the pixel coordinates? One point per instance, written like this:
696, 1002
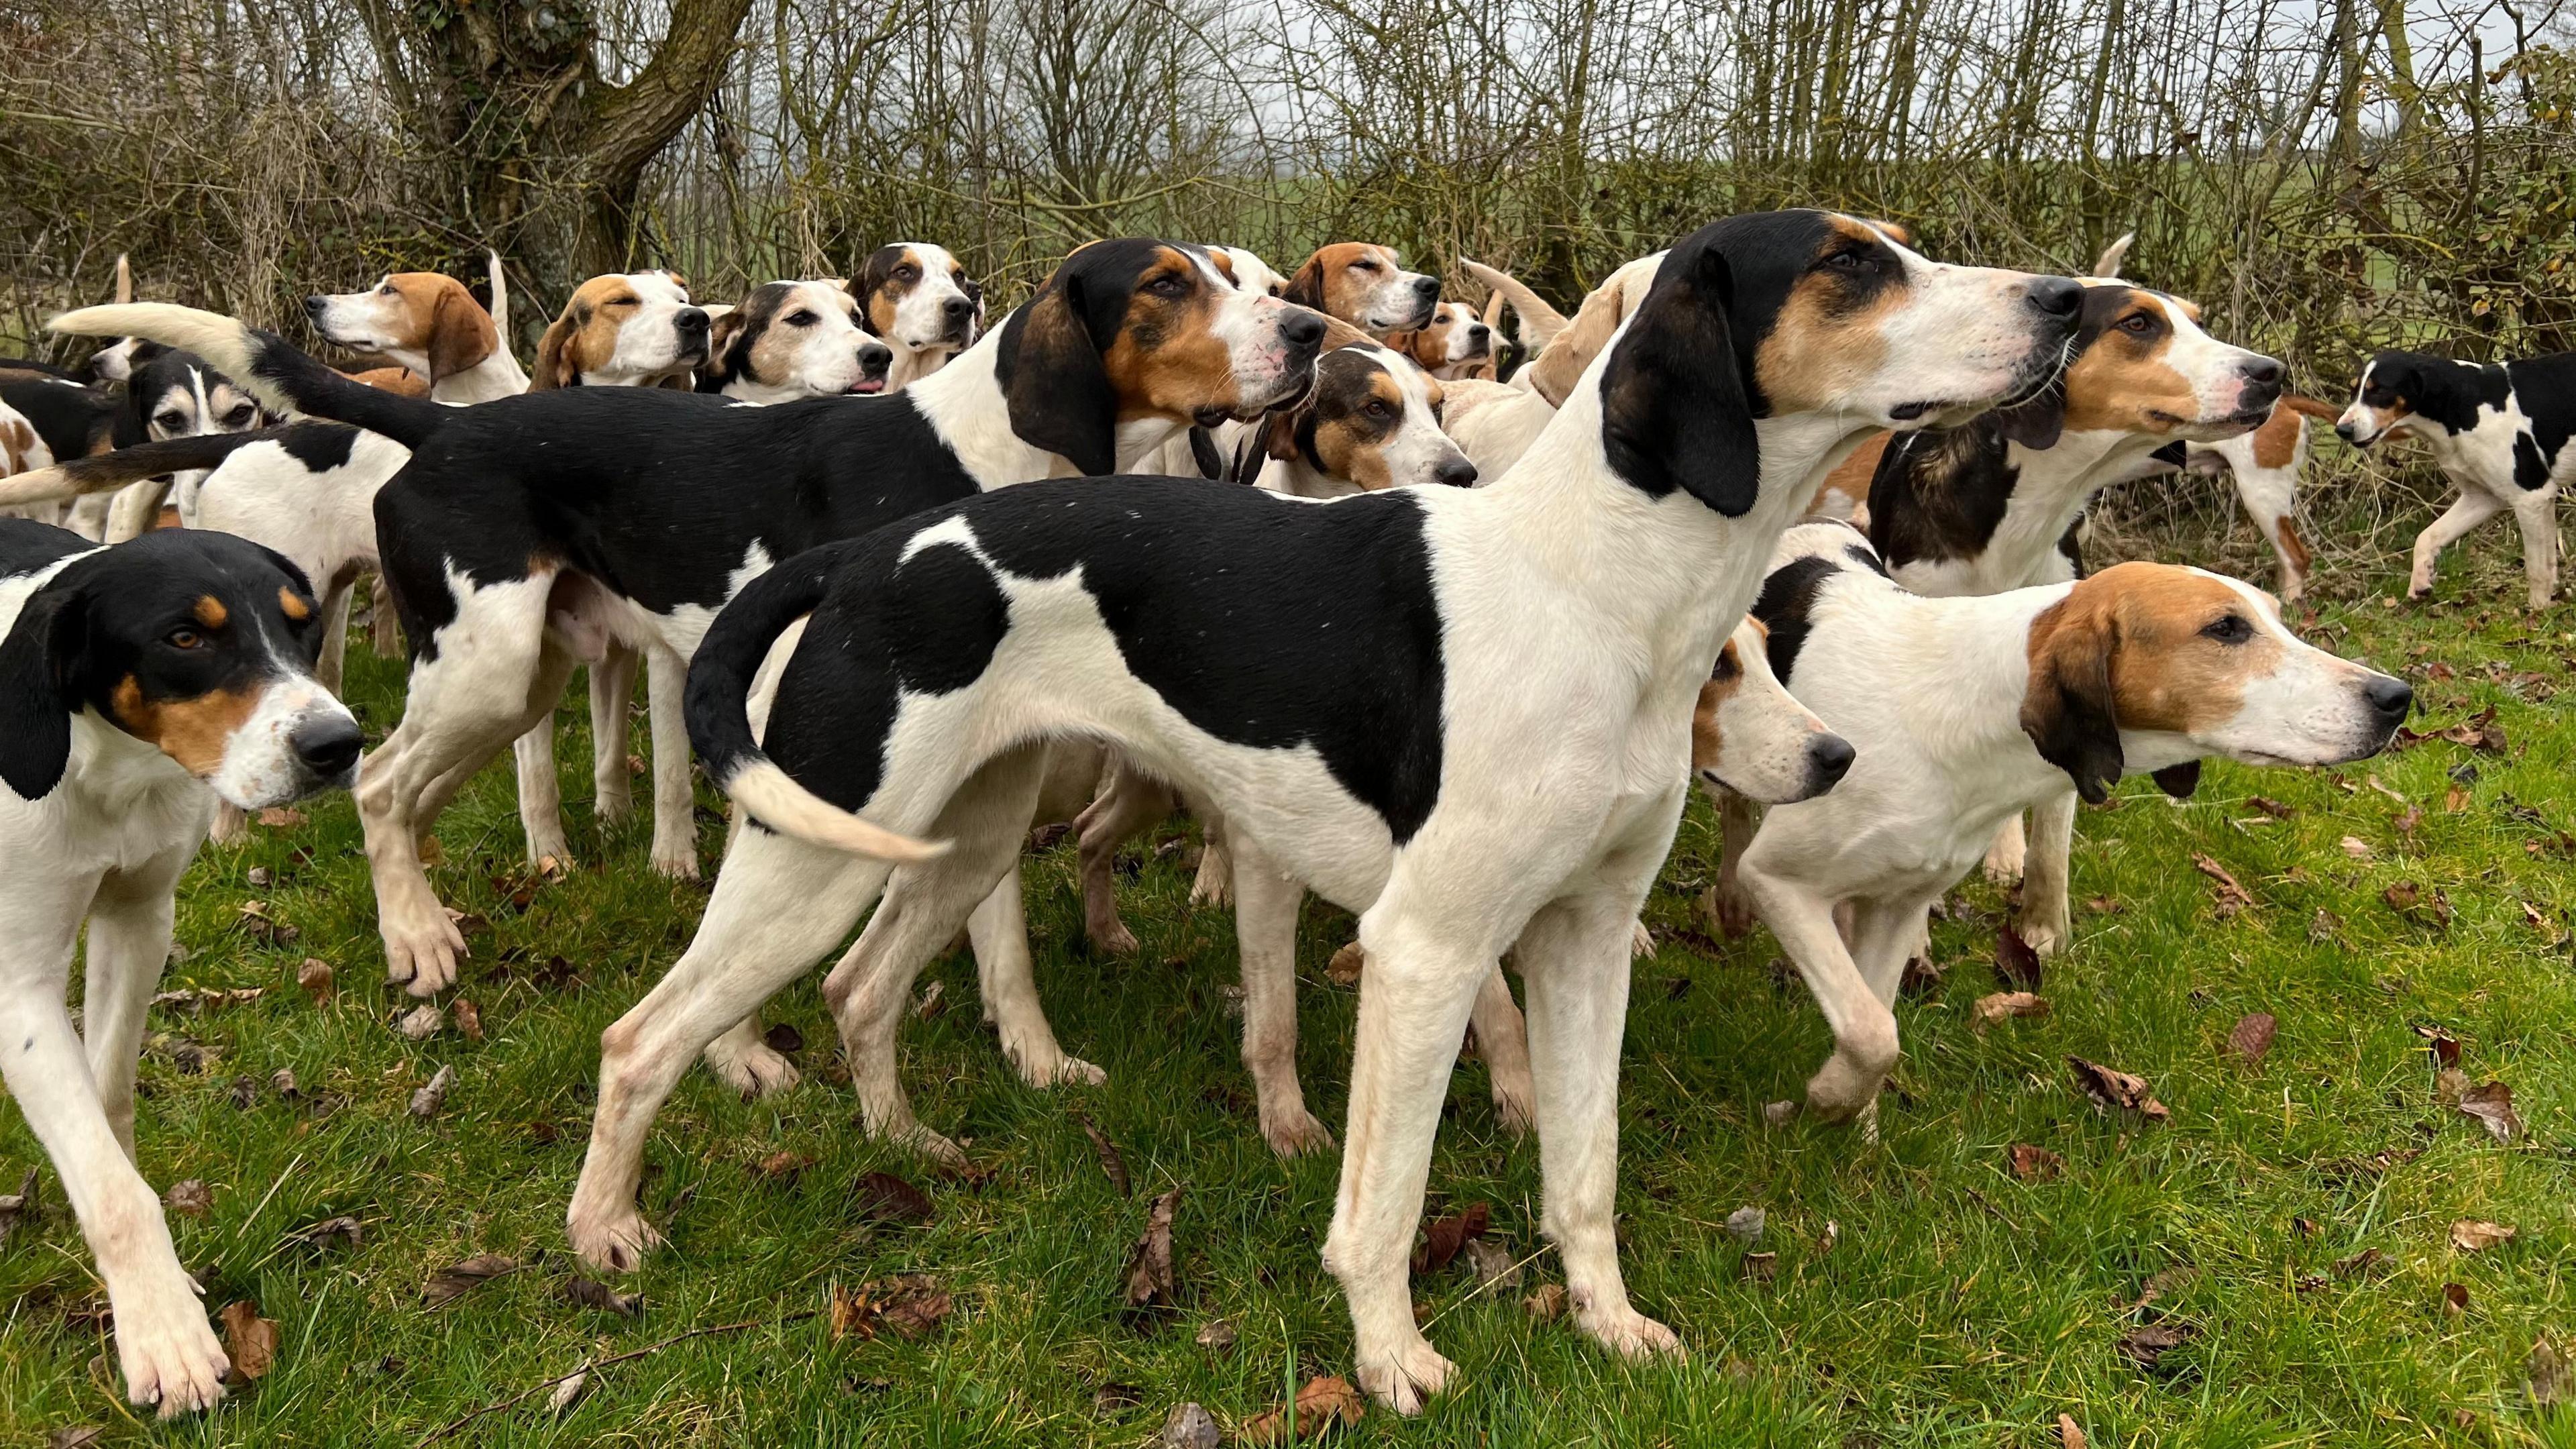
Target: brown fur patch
2123, 383
210, 611
194, 732
444, 321
2293, 547
292, 606
1821, 346
17, 443
1167, 359
1335, 289
2140, 624
2277, 441
1708, 743
1845, 490
393, 379
584, 335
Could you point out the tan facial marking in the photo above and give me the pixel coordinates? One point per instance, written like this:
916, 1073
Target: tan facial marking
1335, 287
210, 611
194, 732
2122, 382
2142, 623
1167, 360
584, 336
1708, 746
292, 606
1820, 346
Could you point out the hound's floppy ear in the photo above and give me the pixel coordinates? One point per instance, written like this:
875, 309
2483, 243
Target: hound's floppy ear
2037, 423
460, 333
723, 332
2067, 711
37, 662
2178, 780
1203, 452
1306, 289
1052, 377
1279, 432
556, 366
1674, 411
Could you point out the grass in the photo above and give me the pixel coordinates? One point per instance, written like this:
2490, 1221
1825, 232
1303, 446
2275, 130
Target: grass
1959, 1305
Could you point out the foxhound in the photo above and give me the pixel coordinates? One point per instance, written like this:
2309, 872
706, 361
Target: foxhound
1453, 345
1967, 711
622, 330
1464, 712
792, 340
168, 394
918, 300
139, 684
2498, 432
645, 512
1365, 285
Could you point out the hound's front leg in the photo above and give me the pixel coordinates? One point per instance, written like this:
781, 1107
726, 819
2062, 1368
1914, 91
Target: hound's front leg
1574, 967
1414, 1001
1863, 1026
1726, 904
1265, 929
2473, 507
2537, 514
612, 692
2047, 922
675, 804
129, 944
1006, 977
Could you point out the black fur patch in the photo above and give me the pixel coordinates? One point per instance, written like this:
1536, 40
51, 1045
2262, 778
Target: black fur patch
320, 447
1940, 495
1784, 606
1673, 416
74, 421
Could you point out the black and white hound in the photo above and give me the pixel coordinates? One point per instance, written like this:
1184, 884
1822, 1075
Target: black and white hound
528, 534
2498, 432
1465, 712
139, 685
1967, 711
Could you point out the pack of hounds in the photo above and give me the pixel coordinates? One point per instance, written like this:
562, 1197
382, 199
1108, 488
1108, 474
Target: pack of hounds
1790, 510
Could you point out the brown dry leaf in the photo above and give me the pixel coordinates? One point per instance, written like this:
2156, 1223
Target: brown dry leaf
1826, 1240
2553, 1381
2112, 1089
2368, 1263
2444, 1046
2479, 732
2232, 897
80, 1436
420, 1023
2472, 1235
1323, 1405
783, 1164
315, 977
1347, 963
2002, 1004
2271, 807
567, 1392
469, 1018
1443, 1237
2068, 1435
1547, 1303
2455, 1299
2104, 906
2162, 1283
1111, 1162
2492, 1104
2035, 1164
2325, 926
1218, 1335
2356, 847
1149, 1267
911, 1304
883, 1197
458, 1279
2016, 964
250, 1341
2455, 800
2251, 1041
191, 1197
339, 1232
1759, 1267
278, 817
264, 927
2539, 921
848, 1313
2147, 1344
425, 1102
591, 1293
1189, 1426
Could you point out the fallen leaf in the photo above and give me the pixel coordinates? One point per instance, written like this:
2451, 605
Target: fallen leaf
2455, 800
1149, 1267
2016, 964
2368, 1263
458, 1279
18, 1206
2303, 1227
1345, 967
591, 1293
2251, 1041
1112, 1398
1492, 1263
1323, 1405
2035, 1164
1217, 1336
2068, 1435
2539, 921
1759, 1267
2471, 1235
264, 927
1547, 1304
2002, 1004
1444, 1236
782, 1165
2450, 1084
2112, 1089
279, 817
568, 1391
2455, 1299
1746, 1224
250, 1341
420, 1023
469, 1018
315, 977
2492, 1104
1189, 1426
912, 1304
2553, 1382
882, 1197
191, 1197
2231, 896
425, 1102
1921, 981
200, 999
260, 876
1107, 1151
2147, 1344
2357, 848
783, 1039
78, 1437
1826, 1240
933, 1000
2444, 1046
339, 1232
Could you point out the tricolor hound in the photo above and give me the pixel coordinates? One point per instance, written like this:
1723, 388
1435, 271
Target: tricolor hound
528, 534
1967, 711
1464, 712
139, 684
2498, 432
1365, 285
918, 300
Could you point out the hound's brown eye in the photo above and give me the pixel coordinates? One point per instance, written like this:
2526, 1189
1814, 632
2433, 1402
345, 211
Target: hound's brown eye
1844, 261
1170, 286
184, 639
1364, 266
2230, 629
1378, 409
800, 319
171, 419
239, 416
387, 289
906, 273
2138, 322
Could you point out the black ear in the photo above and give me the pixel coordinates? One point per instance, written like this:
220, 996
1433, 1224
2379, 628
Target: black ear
1674, 411
2067, 711
37, 663
1203, 452
1058, 390
727, 331
2178, 780
2037, 423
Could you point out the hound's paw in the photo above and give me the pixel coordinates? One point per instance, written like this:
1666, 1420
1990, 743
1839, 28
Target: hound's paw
613, 1242
751, 1069
1213, 889
1402, 1379
1046, 1066
1626, 1332
169, 1355
938, 1149
1111, 937
1729, 907
1641, 942
549, 853
232, 825
1515, 1109
426, 953
2044, 937
1294, 1134
612, 805
679, 862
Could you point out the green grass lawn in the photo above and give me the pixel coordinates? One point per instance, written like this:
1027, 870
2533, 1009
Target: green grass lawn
1958, 1304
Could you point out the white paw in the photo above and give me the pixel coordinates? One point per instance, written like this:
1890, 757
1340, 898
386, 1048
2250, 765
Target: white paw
933, 1146
1212, 888
613, 1242
425, 952
1515, 1110
1403, 1378
679, 862
1046, 1066
549, 843
1111, 937
612, 806
170, 1355
1294, 1134
1626, 1332
1641, 942
2045, 938
753, 1070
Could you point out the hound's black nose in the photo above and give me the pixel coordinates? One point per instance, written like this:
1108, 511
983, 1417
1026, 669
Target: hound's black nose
957, 309
1480, 334
692, 321
1302, 328
2057, 296
313, 306
1456, 473
874, 358
2345, 431
2262, 370
2391, 698
327, 744
1427, 286
1829, 758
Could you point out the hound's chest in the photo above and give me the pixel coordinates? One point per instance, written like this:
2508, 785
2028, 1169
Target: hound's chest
123, 823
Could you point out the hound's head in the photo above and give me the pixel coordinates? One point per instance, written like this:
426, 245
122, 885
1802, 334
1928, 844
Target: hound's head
115, 362
1135, 329
1455, 337
2155, 667
791, 340
2401, 393
1373, 421
423, 320
1749, 736
634, 329
1363, 284
2140, 364
199, 644
1248, 271
174, 394
918, 297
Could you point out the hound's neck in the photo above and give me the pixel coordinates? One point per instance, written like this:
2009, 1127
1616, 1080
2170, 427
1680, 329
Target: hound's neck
2050, 487
912, 364
964, 403
498, 375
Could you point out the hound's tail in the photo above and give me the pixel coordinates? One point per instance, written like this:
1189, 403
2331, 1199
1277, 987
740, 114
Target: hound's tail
262, 362
2310, 407
2108, 264
1539, 321
720, 682
500, 308
106, 472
